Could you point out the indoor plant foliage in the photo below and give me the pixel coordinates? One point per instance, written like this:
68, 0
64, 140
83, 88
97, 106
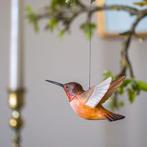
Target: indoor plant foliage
60, 15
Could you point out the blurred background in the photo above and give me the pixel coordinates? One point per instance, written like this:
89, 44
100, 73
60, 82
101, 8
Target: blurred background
49, 120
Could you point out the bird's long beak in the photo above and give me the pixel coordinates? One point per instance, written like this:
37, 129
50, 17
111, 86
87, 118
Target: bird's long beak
56, 83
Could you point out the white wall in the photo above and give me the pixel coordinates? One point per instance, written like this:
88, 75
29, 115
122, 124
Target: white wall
49, 120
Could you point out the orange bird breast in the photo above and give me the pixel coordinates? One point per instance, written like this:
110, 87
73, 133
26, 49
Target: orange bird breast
86, 112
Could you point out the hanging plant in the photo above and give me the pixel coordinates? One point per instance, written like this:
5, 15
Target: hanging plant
60, 15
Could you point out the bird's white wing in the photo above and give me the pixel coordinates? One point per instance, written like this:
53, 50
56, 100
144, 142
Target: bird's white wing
98, 93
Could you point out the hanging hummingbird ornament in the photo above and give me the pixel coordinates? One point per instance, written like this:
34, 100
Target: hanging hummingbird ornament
88, 104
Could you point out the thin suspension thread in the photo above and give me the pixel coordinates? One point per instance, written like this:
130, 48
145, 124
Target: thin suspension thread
90, 46
90, 49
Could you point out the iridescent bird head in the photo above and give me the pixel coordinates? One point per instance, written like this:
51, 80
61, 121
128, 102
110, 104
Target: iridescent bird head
71, 88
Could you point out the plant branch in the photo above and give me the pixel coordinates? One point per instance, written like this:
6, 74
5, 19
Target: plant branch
131, 10
68, 14
125, 61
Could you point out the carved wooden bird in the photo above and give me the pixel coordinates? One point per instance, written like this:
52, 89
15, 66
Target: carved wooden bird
88, 104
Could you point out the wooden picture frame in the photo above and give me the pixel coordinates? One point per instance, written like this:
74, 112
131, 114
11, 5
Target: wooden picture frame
106, 18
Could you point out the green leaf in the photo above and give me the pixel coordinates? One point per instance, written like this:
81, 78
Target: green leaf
121, 103
32, 18
52, 24
131, 95
134, 85
126, 82
108, 74
120, 90
142, 85
112, 104
115, 104
62, 32
88, 29
56, 4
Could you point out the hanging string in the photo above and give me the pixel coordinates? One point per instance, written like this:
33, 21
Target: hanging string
90, 47
90, 61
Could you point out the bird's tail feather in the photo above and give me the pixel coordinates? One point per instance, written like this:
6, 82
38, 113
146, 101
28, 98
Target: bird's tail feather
114, 117
110, 115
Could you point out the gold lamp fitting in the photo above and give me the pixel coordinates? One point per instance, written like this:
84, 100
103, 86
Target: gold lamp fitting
16, 102
16, 99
